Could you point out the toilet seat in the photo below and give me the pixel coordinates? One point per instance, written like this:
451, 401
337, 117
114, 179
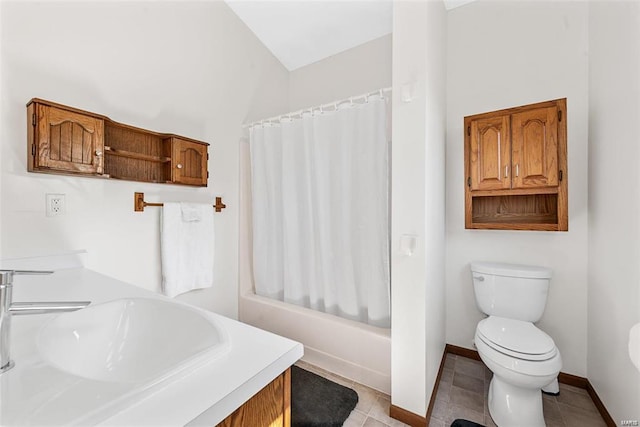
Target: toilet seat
493, 355
516, 338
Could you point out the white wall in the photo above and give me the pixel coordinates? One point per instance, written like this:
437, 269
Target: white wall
435, 121
505, 54
614, 203
190, 68
417, 281
359, 70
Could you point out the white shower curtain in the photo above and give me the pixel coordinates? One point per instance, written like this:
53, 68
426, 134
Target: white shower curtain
321, 211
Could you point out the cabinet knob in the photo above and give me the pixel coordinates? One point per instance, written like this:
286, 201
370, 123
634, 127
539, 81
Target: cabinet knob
179, 165
98, 153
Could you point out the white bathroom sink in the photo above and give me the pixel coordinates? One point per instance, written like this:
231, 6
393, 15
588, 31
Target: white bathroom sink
133, 340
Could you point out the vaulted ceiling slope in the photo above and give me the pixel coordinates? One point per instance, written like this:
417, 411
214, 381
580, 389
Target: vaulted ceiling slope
301, 32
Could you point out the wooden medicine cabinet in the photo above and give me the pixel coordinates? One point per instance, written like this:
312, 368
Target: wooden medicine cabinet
516, 168
66, 140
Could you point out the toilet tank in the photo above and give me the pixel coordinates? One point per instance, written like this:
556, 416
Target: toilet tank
511, 290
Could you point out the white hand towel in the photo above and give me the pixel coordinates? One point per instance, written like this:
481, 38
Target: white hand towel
187, 245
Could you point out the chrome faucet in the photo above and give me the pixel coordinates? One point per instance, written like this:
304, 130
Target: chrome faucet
8, 308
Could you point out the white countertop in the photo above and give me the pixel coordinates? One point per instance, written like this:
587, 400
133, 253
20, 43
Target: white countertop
203, 397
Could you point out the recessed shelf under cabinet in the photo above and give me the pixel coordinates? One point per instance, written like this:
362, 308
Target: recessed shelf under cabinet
66, 140
527, 212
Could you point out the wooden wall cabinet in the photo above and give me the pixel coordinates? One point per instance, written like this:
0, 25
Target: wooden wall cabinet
516, 168
271, 406
66, 140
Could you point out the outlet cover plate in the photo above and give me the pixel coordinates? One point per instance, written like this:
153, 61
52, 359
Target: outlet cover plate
55, 204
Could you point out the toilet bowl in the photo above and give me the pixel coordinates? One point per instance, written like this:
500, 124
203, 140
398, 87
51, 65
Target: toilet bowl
523, 358
520, 369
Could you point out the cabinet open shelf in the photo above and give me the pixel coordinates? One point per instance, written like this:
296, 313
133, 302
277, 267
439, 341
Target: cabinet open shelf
126, 178
531, 212
132, 155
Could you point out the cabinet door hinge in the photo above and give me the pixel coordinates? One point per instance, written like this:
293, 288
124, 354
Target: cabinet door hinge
560, 175
207, 156
469, 182
207, 175
33, 119
469, 130
560, 115
33, 149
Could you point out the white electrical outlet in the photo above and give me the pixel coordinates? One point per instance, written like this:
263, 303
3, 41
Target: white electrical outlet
55, 204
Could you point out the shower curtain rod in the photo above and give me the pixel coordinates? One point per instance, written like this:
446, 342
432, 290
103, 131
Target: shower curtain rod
331, 106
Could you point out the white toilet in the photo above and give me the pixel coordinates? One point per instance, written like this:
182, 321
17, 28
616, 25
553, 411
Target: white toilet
523, 359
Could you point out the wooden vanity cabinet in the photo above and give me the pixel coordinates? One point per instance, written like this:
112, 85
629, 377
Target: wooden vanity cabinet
67, 140
271, 406
516, 168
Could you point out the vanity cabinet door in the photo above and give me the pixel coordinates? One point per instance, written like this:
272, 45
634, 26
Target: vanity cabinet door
271, 406
188, 162
66, 141
490, 153
534, 139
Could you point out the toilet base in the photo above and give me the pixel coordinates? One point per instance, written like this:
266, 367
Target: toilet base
553, 388
511, 406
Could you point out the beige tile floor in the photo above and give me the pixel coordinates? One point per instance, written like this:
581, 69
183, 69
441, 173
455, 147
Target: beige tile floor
462, 393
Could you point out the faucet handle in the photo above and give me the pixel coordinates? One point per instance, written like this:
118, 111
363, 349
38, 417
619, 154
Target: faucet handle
6, 276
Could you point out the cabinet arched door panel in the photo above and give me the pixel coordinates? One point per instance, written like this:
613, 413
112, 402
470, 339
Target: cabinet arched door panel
534, 136
189, 162
490, 153
67, 141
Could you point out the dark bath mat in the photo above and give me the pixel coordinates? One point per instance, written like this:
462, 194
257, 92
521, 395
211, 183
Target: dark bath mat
465, 423
318, 402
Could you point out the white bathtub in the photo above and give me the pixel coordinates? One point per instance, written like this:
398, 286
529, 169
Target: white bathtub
351, 349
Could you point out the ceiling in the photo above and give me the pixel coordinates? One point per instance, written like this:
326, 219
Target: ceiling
301, 32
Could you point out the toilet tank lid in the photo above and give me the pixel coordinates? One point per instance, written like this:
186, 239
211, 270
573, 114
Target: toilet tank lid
511, 270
